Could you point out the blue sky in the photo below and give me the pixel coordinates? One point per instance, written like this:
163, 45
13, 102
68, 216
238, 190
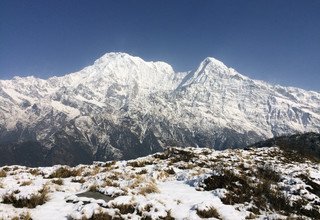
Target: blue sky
273, 40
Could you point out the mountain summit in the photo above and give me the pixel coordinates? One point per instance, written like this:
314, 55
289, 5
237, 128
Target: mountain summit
125, 107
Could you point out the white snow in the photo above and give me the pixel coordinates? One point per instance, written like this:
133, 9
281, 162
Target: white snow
179, 193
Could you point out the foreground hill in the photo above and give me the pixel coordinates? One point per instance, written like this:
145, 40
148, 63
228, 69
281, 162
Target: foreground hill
123, 107
303, 145
179, 183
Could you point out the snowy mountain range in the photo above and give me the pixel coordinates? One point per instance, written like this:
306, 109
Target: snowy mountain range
122, 107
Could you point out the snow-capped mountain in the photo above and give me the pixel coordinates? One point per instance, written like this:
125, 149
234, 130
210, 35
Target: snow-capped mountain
124, 107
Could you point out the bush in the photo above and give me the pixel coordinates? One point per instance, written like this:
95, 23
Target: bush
78, 180
64, 172
3, 173
170, 171
26, 183
268, 173
23, 216
151, 187
315, 188
97, 216
93, 188
125, 208
143, 171
211, 212
110, 163
31, 202
139, 163
226, 180
101, 216
35, 172
58, 181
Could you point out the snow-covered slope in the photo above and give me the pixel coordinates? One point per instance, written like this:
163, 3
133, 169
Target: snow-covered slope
124, 107
180, 183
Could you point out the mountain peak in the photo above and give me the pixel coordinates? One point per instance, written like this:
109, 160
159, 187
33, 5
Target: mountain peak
209, 68
213, 61
115, 56
212, 64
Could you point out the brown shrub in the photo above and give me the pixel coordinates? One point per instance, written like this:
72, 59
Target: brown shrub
3, 173
93, 188
115, 176
78, 180
139, 163
98, 216
35, 172
151, 187
6, 169
58, 181
109, 182
110, 163
24, 216
142, 171
211, 212
125, 208
315, 188
268, 173
36, 199
26, 183
64, 172
170, 171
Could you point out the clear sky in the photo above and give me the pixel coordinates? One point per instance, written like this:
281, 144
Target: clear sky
273, 40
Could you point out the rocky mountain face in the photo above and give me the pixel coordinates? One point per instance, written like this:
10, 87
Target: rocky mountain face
122, 107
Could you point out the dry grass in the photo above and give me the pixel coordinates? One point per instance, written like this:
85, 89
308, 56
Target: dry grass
31, 202
100, 215
115, 176
78, 180
23, 216
35, 172
26, 183
94, 171
168, 216
211, 212
109, 182
110, 163
312, 186
58, 181
251, 216
264, 195
139, 163
268, 173
93, 188
150, 187
162, 175
137, 181
3, 173
142, 171
6, 168
125, 208
170, 171
64, 172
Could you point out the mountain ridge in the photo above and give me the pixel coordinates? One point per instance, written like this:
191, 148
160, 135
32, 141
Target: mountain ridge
124, 107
